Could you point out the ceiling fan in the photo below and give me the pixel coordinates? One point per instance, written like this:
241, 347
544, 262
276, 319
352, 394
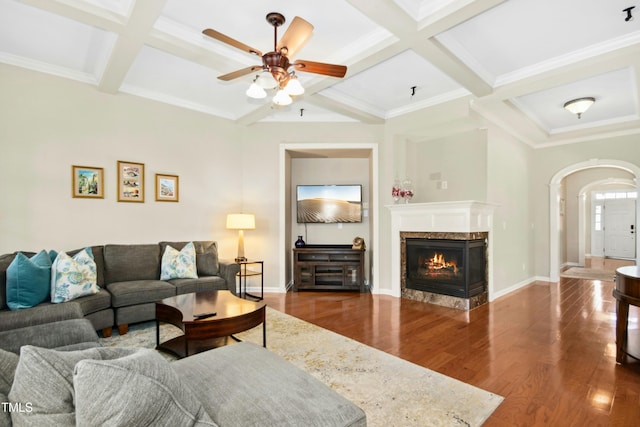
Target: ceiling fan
275, 64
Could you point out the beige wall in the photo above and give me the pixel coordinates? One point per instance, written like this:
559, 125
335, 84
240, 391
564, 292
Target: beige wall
459, 160
330, 171
263, 169
49, 123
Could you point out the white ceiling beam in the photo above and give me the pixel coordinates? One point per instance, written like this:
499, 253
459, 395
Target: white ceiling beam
344, 109
83, 12
454, 14
596, 65
129, 43
390, 16
187, 50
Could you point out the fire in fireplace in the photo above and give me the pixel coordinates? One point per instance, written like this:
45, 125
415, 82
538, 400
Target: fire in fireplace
448, 267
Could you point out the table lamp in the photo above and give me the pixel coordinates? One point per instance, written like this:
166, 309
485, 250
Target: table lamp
241, 222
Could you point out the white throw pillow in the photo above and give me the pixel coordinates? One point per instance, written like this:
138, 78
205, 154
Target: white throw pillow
73, 278
179, 264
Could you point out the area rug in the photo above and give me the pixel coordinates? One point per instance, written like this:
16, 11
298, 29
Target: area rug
589, 274
392, 391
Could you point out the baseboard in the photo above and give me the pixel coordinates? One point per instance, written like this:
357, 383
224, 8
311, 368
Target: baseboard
512, 288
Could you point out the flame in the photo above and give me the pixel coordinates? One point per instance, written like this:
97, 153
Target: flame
438, 262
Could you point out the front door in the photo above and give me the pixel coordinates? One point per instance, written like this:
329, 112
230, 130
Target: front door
620, 228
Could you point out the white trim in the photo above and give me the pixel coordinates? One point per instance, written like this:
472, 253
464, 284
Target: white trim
554, 205
374, 280
582, 209
459, 216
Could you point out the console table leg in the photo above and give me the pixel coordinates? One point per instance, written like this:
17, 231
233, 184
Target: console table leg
264, 333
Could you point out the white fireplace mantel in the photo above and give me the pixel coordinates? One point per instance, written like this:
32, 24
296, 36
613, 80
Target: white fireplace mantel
455, 217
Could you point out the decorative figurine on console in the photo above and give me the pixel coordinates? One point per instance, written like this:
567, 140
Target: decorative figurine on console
358, 243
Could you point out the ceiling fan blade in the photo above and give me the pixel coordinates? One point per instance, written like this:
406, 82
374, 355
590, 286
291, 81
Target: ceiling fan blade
320, 68
232, 42
296, 36
239, 73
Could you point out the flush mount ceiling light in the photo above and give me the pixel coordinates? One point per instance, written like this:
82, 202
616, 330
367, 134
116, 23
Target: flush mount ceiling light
580, 105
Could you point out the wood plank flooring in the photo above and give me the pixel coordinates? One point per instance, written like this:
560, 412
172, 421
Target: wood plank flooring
548, 348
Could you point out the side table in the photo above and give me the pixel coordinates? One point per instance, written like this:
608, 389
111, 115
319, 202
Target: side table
257, 269
626, 292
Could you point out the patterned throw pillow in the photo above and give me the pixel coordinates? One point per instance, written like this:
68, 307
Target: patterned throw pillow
28, 280
73, 278
179, 264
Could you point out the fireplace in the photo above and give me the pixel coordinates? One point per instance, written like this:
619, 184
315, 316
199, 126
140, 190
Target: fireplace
446, 266
458, 220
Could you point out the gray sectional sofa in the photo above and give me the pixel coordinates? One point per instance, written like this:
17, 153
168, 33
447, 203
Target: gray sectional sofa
53, 370
237, 385
129, 281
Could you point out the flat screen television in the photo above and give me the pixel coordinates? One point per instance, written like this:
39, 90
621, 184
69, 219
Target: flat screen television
329, 203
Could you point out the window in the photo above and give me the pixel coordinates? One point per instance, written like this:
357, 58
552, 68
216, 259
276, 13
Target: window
616, 195
597, 218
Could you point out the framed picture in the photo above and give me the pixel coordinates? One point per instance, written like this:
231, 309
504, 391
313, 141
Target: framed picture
87, 181
130, 182
167, 188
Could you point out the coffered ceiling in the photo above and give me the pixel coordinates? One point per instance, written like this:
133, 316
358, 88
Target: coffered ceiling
513, 62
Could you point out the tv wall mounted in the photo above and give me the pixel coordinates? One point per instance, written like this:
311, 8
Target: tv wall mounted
329, 203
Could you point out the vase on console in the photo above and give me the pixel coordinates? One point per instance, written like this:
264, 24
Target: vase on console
406, 190
300, 243
395, 190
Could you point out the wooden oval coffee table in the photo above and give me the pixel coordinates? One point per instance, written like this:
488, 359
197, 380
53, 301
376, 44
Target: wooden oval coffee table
232, 315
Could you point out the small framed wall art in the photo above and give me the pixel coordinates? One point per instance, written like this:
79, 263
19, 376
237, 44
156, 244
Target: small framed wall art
167, 188
87, 181
130, 182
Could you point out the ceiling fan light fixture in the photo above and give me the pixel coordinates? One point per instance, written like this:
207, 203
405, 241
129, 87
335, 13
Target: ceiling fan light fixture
580, 105
256, 92
282, 98
293, 87
266, 80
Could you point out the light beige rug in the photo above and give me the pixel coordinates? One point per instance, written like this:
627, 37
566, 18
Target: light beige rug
392, 391
589, 274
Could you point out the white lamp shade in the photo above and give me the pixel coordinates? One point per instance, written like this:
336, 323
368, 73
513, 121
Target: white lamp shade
266, 80
294, 88
256, 92
282, 98
241, 222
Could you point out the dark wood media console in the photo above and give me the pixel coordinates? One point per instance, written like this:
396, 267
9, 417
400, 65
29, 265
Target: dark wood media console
328, 267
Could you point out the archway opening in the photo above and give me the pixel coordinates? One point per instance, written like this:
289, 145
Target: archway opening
555, 203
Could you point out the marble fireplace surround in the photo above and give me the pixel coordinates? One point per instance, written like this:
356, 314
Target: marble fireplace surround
458, 219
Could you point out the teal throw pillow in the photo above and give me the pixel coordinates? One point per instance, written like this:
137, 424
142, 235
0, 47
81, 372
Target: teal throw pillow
28, 280
73, 278
179, 264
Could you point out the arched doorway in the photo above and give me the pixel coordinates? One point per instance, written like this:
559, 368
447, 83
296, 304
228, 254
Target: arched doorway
554, 206
583, 209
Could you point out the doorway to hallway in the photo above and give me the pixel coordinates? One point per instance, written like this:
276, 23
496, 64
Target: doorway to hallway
613, 225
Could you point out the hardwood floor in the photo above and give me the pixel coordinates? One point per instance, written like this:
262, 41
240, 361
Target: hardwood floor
548, 348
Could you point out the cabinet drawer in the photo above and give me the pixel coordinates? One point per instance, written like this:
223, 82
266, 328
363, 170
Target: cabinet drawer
313, 257
345, 257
